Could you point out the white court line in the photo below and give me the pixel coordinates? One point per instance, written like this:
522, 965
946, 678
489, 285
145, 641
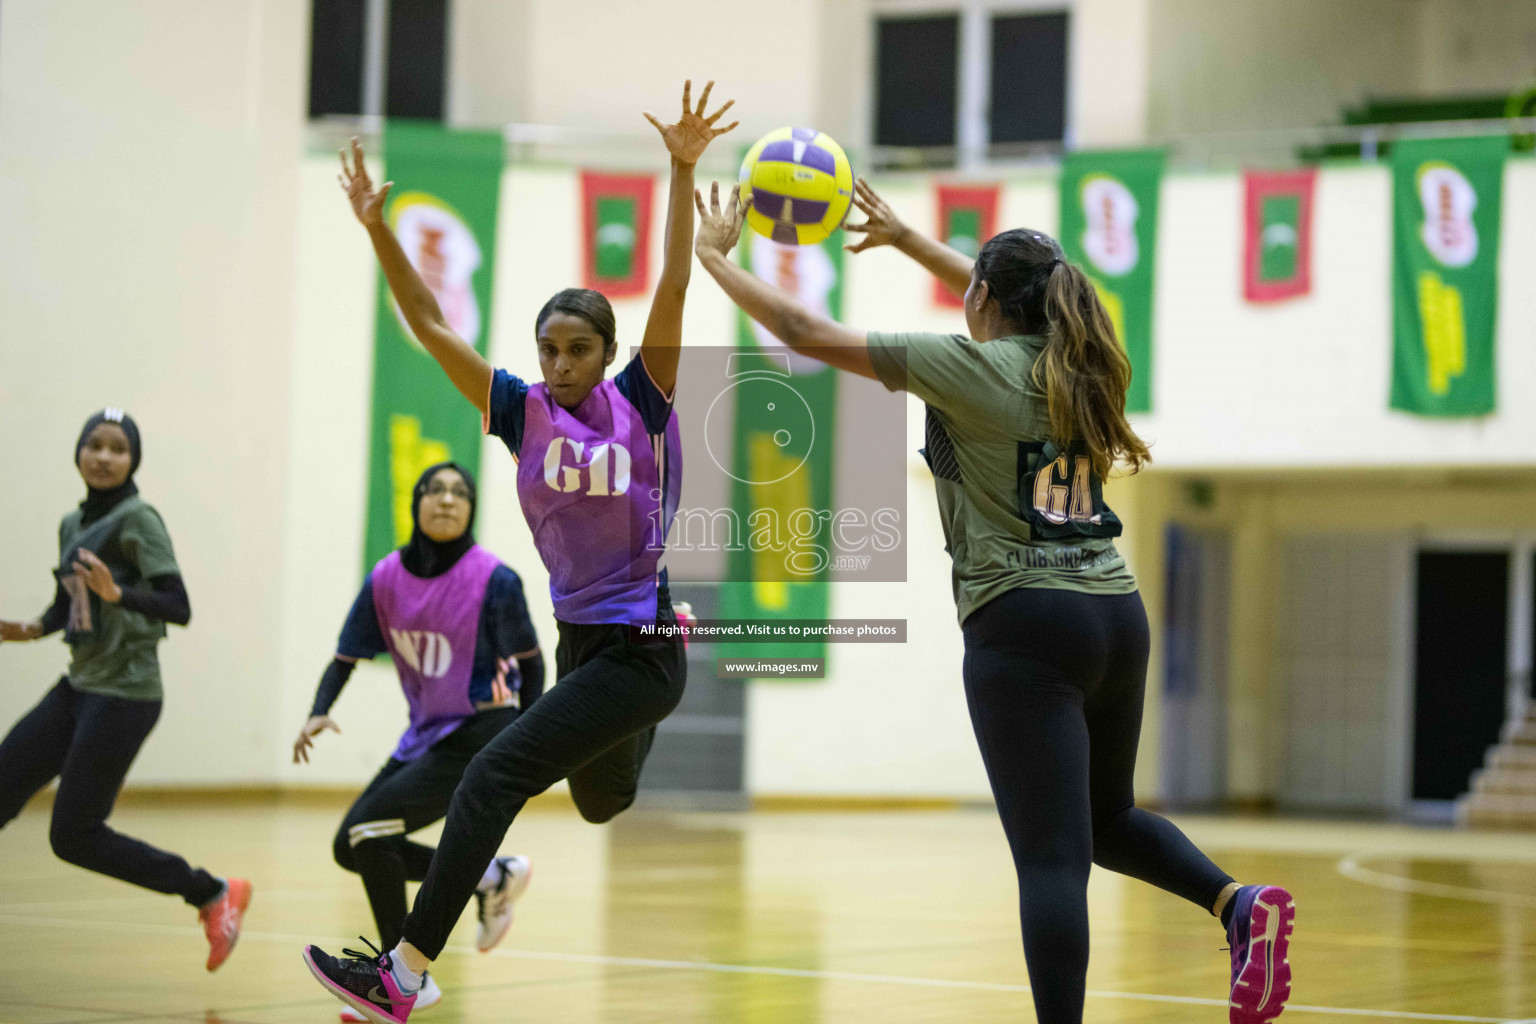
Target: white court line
782, 972
1349, 867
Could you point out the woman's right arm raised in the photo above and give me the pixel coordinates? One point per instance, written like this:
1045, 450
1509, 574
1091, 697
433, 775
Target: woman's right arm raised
468, 370
882, 227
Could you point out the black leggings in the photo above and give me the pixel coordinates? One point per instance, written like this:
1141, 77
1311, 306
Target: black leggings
88, 741
1055, 681
403, 797
594, 727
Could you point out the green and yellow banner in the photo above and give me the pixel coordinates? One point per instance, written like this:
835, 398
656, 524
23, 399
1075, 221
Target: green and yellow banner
1109, 228
443, 210
786, 418
1447, 196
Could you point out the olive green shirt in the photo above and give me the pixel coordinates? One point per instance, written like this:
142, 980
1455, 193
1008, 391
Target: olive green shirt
118, 656
1016, 512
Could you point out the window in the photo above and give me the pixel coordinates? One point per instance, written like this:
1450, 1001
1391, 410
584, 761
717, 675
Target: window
336, 57
915, 89
1029, 79
378, 57
973, 77
418, 35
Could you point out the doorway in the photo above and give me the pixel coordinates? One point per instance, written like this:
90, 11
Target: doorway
1461, 642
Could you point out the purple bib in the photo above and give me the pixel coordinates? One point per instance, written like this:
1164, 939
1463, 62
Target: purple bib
431, 626
599, 494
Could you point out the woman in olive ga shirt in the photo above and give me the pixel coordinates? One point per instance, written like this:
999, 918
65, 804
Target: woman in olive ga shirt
1023, 424
117, 586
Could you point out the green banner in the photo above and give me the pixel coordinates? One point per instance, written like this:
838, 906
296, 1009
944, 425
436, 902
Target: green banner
443, 210
786, 409
1446, 198
1109, 228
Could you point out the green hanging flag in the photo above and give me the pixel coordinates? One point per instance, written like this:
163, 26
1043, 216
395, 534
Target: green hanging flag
1446, 198
781, 467
443, 210
1109, 228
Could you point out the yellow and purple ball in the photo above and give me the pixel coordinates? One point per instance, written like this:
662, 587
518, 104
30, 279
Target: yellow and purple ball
800, 184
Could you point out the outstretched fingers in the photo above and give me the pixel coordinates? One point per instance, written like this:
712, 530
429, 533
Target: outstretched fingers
704, 97
712, 118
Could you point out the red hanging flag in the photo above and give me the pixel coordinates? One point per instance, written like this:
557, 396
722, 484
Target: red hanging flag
967, 218
616, 232
1277, 257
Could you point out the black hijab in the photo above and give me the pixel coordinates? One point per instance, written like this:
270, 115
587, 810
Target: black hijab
99, 502
423, 556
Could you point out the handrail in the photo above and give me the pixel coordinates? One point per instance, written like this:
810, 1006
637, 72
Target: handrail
1205, 150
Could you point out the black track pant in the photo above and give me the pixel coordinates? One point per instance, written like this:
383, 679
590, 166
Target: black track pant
403, 797
594, 727
88, 741
1055, 681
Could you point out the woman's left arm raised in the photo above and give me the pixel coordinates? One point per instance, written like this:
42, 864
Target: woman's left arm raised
686, 141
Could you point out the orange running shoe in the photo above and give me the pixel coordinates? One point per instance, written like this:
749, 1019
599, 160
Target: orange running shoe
221, 920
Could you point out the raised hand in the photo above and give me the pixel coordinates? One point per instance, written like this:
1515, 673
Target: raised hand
97, 576
691, 135
718, 229
367, 203
312, 728
881, 225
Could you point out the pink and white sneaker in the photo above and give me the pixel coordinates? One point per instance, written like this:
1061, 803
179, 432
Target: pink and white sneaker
363, 981
1263, 918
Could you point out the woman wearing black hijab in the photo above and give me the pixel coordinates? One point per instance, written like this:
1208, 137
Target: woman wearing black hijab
454, 620
117, 586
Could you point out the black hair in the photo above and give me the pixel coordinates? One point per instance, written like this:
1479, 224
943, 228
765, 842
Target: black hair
1017, 266
590, 305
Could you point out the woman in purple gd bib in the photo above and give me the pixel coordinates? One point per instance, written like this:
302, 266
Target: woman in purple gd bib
453, 618
598, 475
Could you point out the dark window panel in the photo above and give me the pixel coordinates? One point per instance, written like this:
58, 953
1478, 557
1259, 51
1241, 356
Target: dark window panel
336, 57
416, 69
1029, 78
915, 89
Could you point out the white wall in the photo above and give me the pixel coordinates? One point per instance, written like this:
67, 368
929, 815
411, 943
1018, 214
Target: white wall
1476, 46
1305, 384
596, 64
148, 193
1113, 55
1218, 65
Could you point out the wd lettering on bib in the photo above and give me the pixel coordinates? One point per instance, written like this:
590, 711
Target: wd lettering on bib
427, 621
428, 653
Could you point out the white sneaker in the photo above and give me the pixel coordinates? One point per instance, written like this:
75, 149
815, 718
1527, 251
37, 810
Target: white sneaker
429, 995
496, 903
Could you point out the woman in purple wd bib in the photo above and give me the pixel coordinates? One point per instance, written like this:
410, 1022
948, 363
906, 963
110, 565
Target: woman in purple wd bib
454, 620
598, 477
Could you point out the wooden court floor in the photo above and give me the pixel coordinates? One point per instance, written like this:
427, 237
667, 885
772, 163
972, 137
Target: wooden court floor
774, 917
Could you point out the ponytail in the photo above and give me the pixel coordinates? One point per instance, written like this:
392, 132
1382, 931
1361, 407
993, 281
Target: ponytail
1085, 373
1083, 370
